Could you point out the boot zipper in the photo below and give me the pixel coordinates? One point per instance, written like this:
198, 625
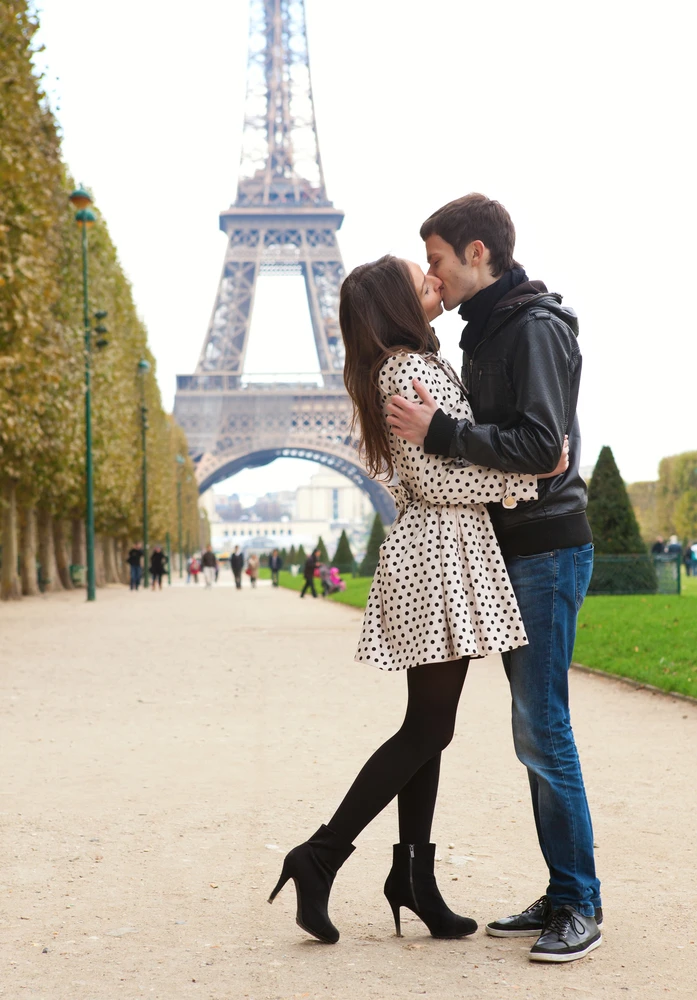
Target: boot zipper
411, 876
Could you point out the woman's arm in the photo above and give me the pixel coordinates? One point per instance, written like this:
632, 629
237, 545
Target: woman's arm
436, 478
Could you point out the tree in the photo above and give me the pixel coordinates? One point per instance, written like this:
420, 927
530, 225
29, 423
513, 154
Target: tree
300, 556
323, 554
372, 553
292, 556
616, 533
676, 499
343, 557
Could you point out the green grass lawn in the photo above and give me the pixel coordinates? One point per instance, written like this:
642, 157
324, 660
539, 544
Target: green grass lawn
651, 639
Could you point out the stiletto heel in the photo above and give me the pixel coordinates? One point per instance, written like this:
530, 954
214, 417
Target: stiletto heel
285, 876
396, 914
412, 883
313, 867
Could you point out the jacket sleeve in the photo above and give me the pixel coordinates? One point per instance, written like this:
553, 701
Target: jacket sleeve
543, 386
436, 478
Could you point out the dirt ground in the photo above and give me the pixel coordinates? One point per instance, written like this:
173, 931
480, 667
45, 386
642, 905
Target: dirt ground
160, 753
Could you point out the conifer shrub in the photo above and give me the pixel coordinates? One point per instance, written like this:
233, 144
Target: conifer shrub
622, 564
343, 557
372, 553
323, 554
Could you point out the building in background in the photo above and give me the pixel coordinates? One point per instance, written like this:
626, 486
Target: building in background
326, 506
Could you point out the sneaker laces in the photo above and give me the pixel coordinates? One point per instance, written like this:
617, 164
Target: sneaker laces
542, 901
562, 921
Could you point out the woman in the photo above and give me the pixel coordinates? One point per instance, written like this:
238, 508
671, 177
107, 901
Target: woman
253, 568
440, 594
158, 565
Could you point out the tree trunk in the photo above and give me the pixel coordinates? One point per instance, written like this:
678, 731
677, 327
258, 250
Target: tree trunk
49, 573
10, 586
61, 550
109, 560
124, 570
78, 548
99, 575
30, 579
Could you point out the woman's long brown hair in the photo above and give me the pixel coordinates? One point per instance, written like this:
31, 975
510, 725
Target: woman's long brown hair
380, 315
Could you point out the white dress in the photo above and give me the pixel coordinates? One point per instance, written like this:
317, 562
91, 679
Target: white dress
441, 590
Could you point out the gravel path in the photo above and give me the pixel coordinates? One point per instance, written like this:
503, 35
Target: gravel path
160, 752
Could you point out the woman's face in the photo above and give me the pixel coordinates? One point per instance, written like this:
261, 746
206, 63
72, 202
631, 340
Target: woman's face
428, 289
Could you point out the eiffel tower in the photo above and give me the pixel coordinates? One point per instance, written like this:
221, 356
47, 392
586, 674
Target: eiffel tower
281, 222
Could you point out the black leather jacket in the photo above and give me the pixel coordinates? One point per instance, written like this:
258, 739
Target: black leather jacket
522, 383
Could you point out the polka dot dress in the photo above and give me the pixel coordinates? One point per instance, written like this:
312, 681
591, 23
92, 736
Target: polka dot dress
441, 590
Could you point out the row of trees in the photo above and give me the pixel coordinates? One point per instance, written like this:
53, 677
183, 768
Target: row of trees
42, 433
668, 506
343, 558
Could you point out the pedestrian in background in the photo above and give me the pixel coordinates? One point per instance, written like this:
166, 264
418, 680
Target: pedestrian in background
193, 569
658, 547
134, 560
275, 565
158, 565
210, 565
309, 573
237, 565
252, 570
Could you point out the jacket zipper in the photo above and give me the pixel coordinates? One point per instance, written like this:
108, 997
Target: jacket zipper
411, 876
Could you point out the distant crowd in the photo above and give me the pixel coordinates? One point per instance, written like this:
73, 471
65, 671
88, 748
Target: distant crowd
208, 564
672, 547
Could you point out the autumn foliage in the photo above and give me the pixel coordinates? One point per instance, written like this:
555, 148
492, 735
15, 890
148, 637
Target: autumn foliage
42, 432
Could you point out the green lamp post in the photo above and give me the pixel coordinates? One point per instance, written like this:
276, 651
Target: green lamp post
143, 367
85, 217
180, 462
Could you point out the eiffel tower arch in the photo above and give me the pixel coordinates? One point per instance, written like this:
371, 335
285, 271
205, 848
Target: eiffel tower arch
281, 222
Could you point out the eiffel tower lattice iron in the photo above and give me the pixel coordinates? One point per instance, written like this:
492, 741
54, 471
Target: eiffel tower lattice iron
281, 222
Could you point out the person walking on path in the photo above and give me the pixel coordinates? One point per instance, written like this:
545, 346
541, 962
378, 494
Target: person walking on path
252, 570
275, 565
194, 567
522, 371
417, 618
237, 565
210, 564
135, 560
311, 564
158, 566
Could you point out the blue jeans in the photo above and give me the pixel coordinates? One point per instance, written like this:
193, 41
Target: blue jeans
550, 588
135, 577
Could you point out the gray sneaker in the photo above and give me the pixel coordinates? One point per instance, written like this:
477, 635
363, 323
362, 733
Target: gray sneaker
531, 922
567, 935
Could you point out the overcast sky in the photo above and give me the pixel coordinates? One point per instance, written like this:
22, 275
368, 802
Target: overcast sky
579, 118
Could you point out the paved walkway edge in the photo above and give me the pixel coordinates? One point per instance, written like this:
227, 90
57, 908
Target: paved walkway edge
635, 684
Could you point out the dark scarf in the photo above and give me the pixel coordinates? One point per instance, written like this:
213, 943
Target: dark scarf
477, 310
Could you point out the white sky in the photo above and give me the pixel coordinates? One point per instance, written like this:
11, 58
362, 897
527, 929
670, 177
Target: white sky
579, 118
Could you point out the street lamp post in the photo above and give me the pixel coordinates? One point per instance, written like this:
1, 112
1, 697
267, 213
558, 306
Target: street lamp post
180, 462
84, 217
143, 367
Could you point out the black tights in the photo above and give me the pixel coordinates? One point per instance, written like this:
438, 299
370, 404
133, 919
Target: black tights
408, 764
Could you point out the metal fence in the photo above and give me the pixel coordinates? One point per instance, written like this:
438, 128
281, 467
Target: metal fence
636, 574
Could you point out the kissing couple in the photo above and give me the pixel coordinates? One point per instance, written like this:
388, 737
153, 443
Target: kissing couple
491, 552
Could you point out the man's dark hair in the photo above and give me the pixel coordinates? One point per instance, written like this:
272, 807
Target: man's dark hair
475, 217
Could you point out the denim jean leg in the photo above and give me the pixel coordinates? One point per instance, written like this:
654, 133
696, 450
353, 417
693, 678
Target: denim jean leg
550, 588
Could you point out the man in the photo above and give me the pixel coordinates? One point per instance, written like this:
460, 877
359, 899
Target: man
134, 559
158, 566
237, 565
309, 573
522, 369
275, 565
210, 564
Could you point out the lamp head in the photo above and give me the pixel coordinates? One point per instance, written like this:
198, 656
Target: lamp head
80, 198
86, 216
143, 366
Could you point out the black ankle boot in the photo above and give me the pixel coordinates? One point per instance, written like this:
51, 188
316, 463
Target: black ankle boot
412, 883
313, 867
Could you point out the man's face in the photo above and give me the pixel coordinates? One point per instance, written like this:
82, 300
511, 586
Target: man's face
459, 281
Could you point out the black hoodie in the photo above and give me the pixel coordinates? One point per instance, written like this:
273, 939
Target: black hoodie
522, 379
